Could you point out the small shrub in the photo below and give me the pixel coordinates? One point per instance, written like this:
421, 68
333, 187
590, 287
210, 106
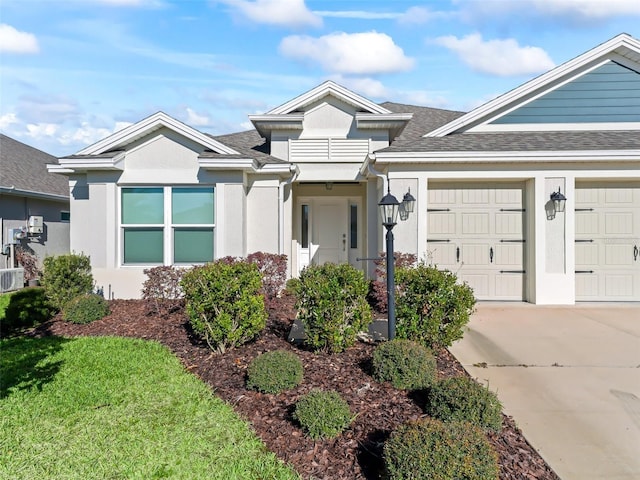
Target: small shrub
161, 290
323, 414
433, 449
224, 304
65, 277
28, 260
85, 308
378, 294
406, 364
273, 372
24, 308
431, 307
273, 268
464, 399
332, 305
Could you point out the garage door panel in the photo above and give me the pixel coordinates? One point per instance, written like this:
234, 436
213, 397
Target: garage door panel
587, 223
486, 237
442, 223
509, 255
587, 254
605, 239
619, 223
509, 285
475, 223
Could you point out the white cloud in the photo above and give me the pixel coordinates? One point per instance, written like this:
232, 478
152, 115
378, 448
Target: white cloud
8, 119
594, 9
288, 13
367, 87
350, 53
571, 9
417, 15
196, 120
359, 14
15, 41
497, 57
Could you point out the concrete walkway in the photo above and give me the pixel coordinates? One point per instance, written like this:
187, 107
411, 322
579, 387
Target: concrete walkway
569, 376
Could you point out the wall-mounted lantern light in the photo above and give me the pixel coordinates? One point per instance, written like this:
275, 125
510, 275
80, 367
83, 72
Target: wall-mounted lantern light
559, 201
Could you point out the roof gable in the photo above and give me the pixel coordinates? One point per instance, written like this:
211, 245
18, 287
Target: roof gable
146, 126
608, 93
622, 50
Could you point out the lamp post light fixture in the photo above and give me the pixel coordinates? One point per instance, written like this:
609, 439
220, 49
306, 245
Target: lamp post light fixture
389, 207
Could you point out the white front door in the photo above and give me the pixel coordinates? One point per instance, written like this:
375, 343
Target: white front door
329, 233
477, 232
607, 241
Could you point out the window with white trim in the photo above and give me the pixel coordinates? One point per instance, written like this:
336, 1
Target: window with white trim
167, 225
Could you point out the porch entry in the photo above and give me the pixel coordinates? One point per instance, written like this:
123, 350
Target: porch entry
329, 230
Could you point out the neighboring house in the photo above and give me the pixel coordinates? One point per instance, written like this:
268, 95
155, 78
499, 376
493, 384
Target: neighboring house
306, 182
28, 192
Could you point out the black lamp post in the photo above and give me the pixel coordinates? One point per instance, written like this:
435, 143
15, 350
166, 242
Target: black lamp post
389, 213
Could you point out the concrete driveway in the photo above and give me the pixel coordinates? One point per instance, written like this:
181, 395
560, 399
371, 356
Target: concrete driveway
569, 376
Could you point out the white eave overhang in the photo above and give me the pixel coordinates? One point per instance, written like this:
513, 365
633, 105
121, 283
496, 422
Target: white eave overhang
86, 164
394, 122
33, 194
559, 156
266, 123
248, 165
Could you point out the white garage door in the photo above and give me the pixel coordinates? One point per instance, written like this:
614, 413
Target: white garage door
477, 232
608, 241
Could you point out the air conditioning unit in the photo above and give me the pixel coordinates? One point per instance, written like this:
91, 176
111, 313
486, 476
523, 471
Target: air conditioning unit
11, 279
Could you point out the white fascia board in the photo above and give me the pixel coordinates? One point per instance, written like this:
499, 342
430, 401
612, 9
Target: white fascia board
555, 127
72, 165
245, 164
518, 156
329, 88
279, 168
33, 194
291, 121
147, 125
539, 82
386, 120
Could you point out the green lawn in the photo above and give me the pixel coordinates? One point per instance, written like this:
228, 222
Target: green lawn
117, 408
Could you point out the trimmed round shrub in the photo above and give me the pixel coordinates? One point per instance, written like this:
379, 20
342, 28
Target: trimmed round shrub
464, 399
273, 372
432, 308
406, 364
64, 277
332, 305
433, 449
86, 308
323, 414
224, 302
23, 308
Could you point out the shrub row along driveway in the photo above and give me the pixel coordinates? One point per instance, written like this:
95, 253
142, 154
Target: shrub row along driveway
570, 377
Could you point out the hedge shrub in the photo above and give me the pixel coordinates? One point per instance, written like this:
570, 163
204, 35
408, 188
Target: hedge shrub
23, 308
332, 305
464, 399
432, 308
224, 303
273, 372
323, 414
161, 290
64, 277
406, 364
432, 449
85, 308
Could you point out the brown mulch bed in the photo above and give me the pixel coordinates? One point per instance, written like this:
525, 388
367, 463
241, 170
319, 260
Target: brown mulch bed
356, 454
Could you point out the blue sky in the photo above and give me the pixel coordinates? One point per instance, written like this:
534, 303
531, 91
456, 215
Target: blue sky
74, 71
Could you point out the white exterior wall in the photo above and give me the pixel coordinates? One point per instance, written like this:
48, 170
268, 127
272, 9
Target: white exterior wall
262, 216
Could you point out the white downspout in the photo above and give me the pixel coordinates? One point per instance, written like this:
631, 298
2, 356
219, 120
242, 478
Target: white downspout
295, 171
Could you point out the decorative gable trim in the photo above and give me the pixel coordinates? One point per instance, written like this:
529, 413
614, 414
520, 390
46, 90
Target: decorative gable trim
622, 48
144, 127
324, 89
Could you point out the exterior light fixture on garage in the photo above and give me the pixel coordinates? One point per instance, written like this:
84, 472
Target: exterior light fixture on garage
559, 201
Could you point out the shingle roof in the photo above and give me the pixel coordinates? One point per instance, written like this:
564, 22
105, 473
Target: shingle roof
248, 143
425, 119
24, 168
523, 142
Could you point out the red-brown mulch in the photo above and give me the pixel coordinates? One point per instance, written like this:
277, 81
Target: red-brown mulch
356, 454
